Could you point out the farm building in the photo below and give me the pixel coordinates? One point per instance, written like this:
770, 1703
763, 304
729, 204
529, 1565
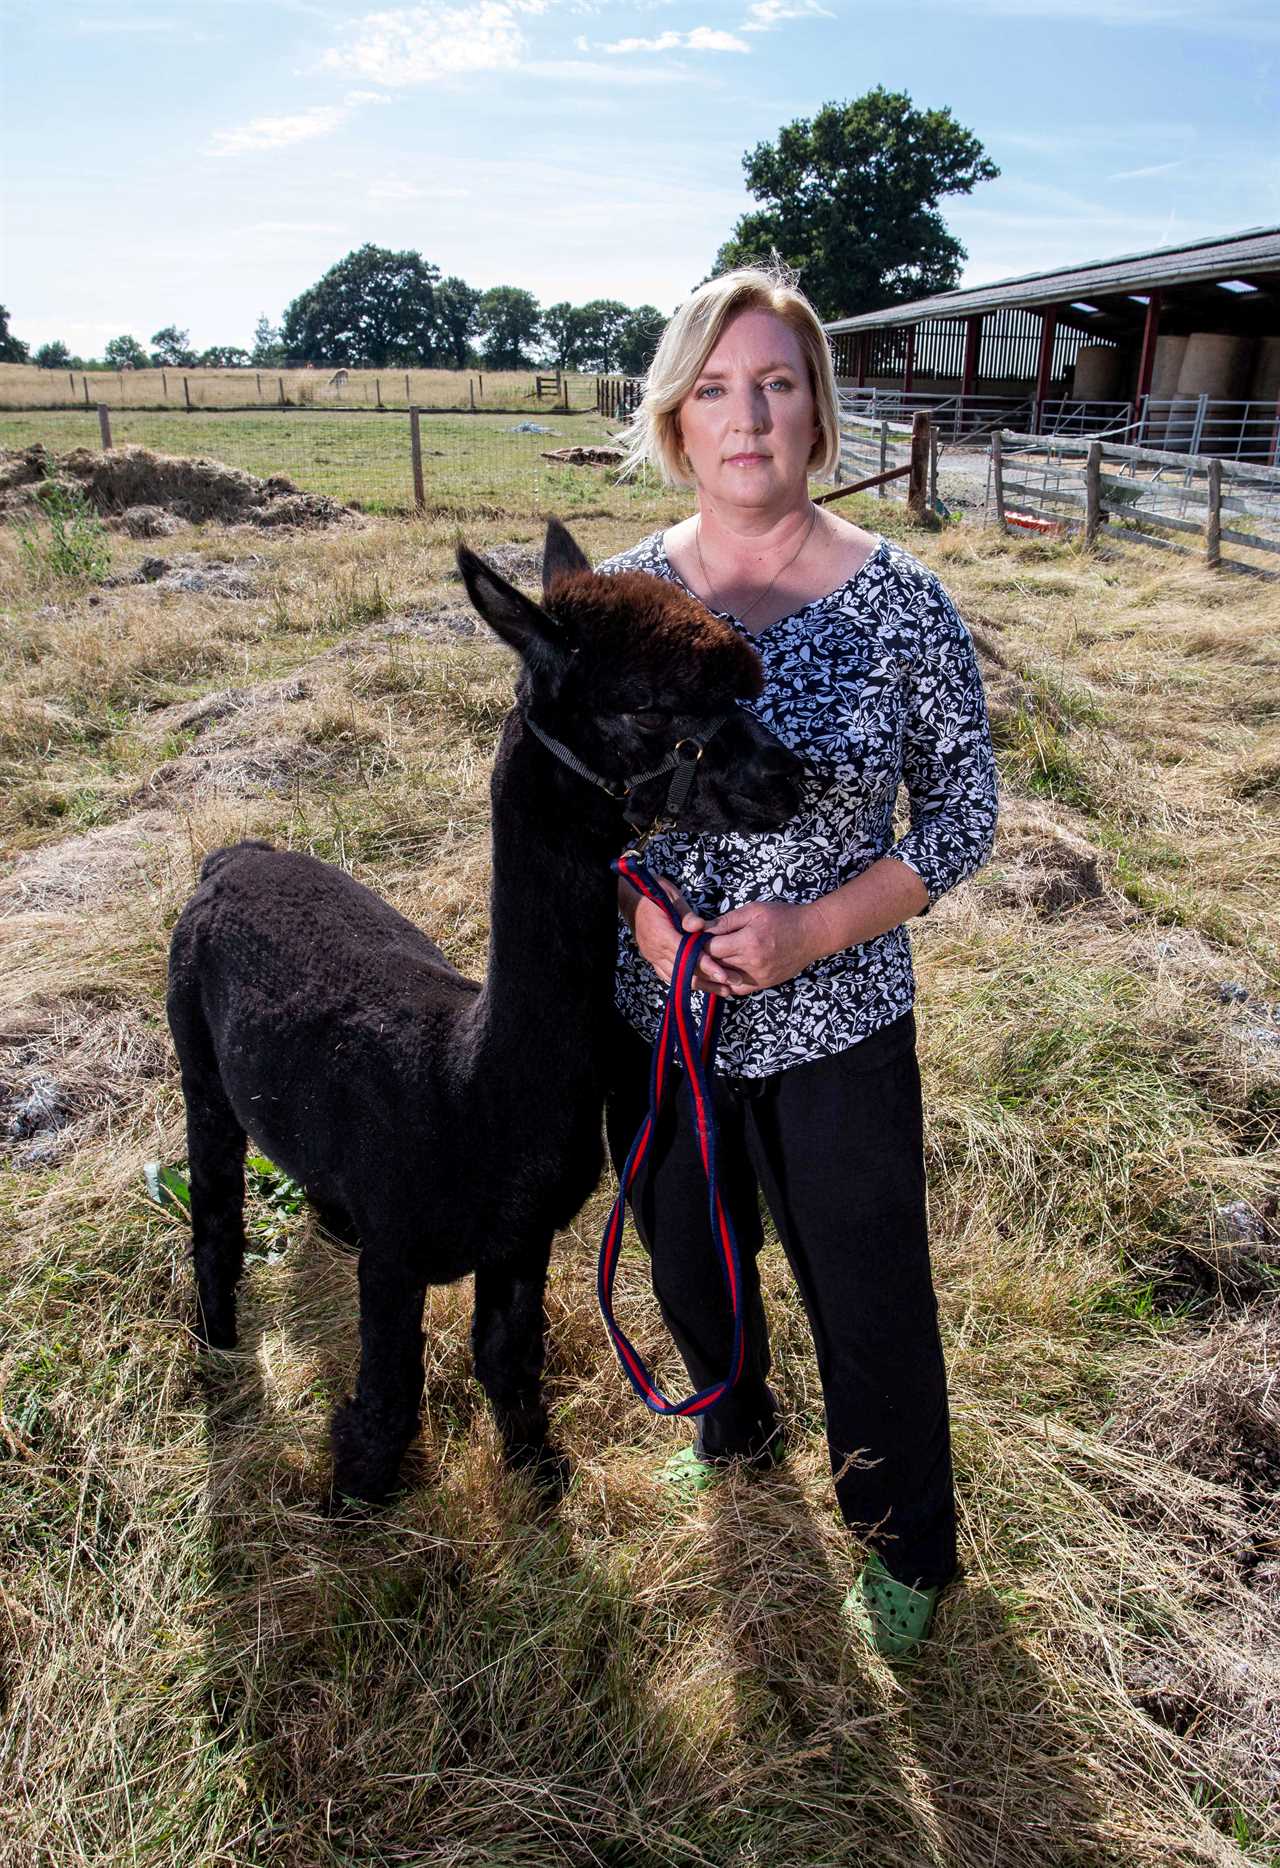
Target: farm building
1175, 348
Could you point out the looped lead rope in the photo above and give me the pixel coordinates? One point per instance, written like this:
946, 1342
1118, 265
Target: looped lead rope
693, 1042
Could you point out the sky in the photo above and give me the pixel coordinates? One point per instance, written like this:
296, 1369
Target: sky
200, 165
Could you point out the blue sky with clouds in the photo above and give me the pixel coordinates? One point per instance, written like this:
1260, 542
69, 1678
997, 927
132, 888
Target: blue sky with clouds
199, 165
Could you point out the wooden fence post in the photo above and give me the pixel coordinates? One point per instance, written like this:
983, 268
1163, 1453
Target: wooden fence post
257, 377
186, 390
471, 394
408, 393
1213, 525
104, 424
415, 448
480, 374
164, 378
377, 391
997, 476
884, 457
918, 479
280, 387
933, 471
71, 378
84, 384
1092, 493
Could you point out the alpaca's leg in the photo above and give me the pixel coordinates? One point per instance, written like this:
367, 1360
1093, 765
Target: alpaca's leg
372, 1428
507, 1341
215, 1155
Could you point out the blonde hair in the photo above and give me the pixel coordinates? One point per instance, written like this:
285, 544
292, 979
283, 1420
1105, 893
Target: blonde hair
687, 342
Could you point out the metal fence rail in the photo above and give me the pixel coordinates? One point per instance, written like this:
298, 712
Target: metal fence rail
1149, 495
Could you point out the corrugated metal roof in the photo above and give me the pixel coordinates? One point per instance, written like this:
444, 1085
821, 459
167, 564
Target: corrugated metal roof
1256, 249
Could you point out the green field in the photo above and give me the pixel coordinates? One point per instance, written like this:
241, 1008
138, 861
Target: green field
470, 463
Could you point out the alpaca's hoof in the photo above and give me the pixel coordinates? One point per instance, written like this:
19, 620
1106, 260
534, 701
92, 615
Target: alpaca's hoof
218, 1333
346, 1507
366, 1455
545, 1466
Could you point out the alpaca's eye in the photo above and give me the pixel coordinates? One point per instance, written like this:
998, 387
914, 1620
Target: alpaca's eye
650, 718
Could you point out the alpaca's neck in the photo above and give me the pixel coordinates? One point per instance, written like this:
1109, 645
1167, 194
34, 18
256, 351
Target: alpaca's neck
553, 925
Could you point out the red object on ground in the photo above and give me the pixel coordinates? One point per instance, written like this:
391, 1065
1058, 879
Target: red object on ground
1029, 522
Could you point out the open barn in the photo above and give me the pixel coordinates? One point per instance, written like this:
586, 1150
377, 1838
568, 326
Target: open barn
1176, 348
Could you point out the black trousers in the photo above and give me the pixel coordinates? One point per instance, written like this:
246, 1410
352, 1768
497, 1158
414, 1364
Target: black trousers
836, 1147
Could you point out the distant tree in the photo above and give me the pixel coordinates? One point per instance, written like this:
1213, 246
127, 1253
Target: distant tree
639, 339
510, 320
851, 202
52, 356
224, 357
603, 322
373, 308
267, 347
12, 349
171, 349
124, 353
563, 332
456, 307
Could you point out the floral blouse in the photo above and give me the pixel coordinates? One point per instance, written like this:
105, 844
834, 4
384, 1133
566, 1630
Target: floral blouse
874, 684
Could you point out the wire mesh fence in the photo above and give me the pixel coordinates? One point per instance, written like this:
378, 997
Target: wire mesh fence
470, 464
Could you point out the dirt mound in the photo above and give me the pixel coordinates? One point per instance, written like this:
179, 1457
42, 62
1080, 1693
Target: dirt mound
132, 478
147, 522
585, 457
1042, 864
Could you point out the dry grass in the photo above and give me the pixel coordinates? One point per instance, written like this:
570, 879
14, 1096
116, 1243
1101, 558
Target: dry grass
203, 1669
22, 386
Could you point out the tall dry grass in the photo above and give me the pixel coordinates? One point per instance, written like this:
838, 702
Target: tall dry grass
204, 1669
22, 386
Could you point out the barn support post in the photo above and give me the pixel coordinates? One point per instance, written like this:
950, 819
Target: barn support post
415, 450
1275, 439
918, 479
1044, 364
1213, 520
997, 476
972, 347
1092, 493
863, 346
1147, 358
909, 361
104, 425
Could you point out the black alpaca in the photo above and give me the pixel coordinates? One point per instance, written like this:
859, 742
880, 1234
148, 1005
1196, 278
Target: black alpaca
444, 1127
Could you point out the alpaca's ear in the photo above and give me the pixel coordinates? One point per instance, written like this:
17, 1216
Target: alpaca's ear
560, 555
521, 624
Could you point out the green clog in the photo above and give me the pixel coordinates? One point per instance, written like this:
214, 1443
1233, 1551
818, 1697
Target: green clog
893, 1617
688, 1475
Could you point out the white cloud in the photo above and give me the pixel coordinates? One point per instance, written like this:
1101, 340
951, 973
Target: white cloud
419, 44
766, 14
598, 71
1156, 168
699, 39
301, 126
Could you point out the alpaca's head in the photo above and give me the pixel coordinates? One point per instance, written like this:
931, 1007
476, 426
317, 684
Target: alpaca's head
624, 669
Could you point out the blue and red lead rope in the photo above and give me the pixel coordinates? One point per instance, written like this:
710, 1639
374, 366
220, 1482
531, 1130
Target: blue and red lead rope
692, 1041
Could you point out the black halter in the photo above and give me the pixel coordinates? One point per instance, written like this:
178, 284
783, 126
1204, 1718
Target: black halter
682, 760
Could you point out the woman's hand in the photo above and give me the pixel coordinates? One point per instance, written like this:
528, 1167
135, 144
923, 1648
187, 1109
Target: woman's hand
658, 940
764, 943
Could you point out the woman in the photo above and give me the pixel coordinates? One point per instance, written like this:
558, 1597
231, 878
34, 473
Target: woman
870, 675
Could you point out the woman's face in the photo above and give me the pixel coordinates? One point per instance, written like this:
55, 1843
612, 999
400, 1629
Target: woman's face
749, 423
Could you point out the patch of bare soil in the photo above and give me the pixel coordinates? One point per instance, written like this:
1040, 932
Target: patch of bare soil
1214, 1414
129, 478
67, 1070
1040, 862
98, 866
519, 564
217, 577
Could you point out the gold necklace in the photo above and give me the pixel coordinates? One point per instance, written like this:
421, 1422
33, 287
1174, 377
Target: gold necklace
756, 601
